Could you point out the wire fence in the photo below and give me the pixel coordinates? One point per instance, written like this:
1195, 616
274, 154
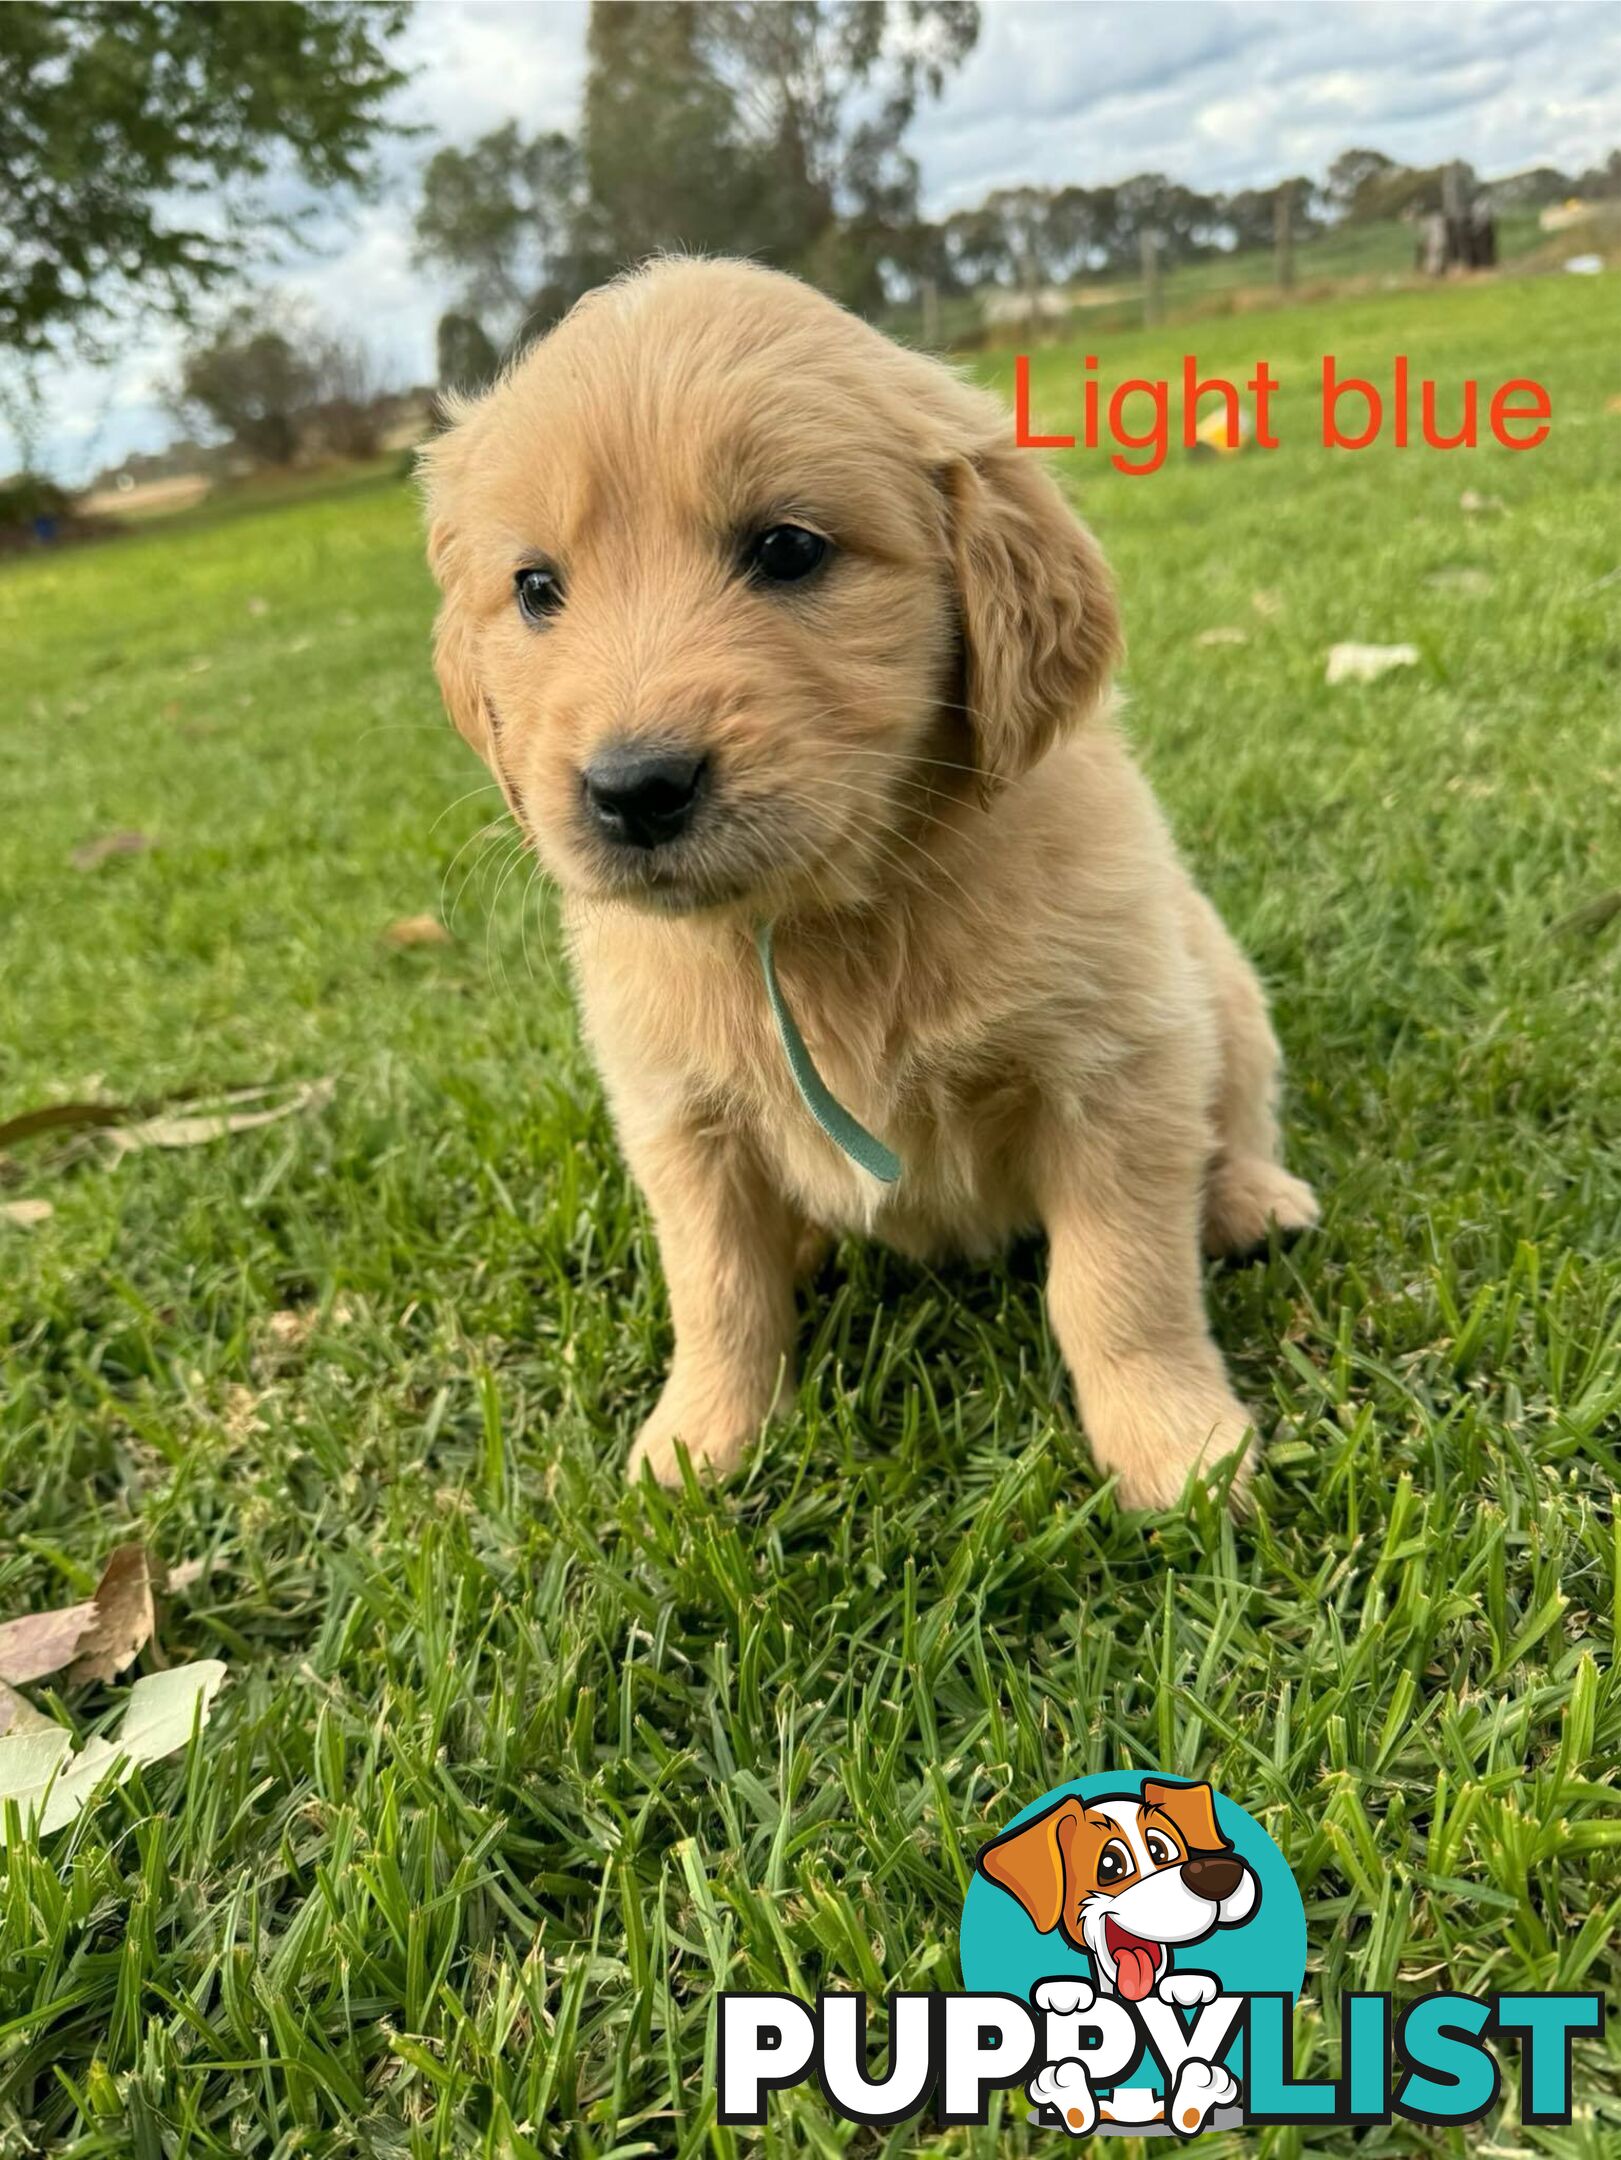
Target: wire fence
1342, 259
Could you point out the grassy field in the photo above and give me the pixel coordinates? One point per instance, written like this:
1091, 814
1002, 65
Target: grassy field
514, 1768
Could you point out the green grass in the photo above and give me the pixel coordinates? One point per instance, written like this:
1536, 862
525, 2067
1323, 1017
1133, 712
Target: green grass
514, 1768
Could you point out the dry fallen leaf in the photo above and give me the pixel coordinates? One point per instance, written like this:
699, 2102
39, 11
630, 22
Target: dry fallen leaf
1612, 404
197, 1131
51, 1785
43, 1642
1366, 663
1474, 504
178, 1580
124, 1618
1266, 602
26, 1212
289, 1329
1591, 917
1223, 634
93, 853
97, 1639
18, 1715
61, 1117
416, 930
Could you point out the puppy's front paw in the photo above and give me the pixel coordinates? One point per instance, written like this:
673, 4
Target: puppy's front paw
1155, 1428
1246, 1198
714, 1453
717, 1431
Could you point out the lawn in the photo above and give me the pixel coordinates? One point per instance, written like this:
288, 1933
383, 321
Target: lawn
514, 1768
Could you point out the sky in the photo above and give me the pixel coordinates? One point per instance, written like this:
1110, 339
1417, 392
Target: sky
1218, 93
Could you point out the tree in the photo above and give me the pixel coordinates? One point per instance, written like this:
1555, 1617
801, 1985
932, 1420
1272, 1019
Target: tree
723, 126
1251, 214
280, 386
664, 155
251, 377
137, 139
825, 92
1355, 179
466, 358
499, 216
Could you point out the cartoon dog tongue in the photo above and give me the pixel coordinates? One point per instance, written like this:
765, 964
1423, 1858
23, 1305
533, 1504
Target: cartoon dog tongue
1135, 1965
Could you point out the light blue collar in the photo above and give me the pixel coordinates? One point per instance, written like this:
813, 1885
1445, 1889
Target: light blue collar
842, 1129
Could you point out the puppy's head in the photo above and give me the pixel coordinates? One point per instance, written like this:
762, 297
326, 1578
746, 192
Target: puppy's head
1127, 1878
735, 589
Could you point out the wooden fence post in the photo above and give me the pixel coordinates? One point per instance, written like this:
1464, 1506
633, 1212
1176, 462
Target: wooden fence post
1152, 306
1283, 234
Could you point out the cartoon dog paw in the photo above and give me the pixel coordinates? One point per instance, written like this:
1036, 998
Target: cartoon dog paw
1188, 1990
1066, 2088
1065, 1998
1200, 2087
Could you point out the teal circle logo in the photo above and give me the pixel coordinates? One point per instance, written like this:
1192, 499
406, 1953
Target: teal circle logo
1125, 1881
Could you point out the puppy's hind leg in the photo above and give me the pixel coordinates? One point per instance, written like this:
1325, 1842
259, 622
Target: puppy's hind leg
1247, 1189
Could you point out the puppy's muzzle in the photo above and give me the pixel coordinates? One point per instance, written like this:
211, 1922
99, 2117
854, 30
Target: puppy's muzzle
641, 797
1213, 1876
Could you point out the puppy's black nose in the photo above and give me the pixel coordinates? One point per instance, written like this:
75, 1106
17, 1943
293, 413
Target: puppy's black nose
641, 796
1212, 1875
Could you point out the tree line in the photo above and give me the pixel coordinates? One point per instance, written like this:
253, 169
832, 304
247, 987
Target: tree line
776, 129
148, 151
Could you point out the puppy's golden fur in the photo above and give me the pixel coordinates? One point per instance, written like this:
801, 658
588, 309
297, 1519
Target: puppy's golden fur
983, 928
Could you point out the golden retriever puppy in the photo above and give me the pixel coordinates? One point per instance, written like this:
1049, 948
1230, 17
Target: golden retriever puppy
758, 618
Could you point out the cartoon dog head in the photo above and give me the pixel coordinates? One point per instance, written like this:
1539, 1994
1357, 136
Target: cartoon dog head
1127, 1878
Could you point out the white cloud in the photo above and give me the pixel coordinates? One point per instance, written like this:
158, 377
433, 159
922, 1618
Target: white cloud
1222, 94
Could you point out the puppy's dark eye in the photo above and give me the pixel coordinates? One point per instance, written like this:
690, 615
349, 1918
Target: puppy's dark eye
1160, 1849
783, 554
540, 592
1114, 1864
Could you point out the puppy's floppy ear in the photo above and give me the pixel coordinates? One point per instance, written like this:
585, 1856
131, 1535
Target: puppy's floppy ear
1039, 623
1030, 1863
1192, 1810
453, 658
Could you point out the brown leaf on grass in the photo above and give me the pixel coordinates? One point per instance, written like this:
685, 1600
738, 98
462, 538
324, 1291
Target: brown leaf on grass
137, 1125
413, 930
181, 1132
1223, 634
1268, 603
26, 1212
124, 1618
61, 1117
43, 1642
93, 853
178, 1580
1591, 917
1473, 504
1612, 404
288, 1329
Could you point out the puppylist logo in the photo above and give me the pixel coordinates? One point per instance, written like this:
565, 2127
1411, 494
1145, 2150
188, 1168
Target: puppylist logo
1132, 1949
